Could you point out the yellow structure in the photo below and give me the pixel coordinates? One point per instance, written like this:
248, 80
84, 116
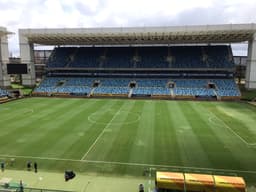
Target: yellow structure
229, 184
170, 180
191, 182
199, 182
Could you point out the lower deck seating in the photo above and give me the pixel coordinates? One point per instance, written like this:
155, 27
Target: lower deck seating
200, 87
201, 92
139, 86
80, 90
71, 85
112, 90
151, 87
226, 87
151, 91
193, 87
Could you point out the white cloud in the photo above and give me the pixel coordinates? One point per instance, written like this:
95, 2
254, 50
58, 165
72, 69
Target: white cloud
15, 14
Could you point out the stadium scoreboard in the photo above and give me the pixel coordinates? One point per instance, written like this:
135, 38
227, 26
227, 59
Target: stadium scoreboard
17, 68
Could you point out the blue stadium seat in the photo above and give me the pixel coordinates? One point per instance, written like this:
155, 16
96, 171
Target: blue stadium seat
113, 86
183, 87
151, 87
226, 87
75, 85
3, 93
199, 87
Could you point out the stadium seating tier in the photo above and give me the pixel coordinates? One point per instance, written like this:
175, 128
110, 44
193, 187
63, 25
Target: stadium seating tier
182, 87
154, 57
141, 57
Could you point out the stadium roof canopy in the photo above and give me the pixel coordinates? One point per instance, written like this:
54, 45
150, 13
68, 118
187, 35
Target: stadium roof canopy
227, 33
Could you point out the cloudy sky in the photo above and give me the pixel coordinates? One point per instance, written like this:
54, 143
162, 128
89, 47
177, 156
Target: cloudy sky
15, 14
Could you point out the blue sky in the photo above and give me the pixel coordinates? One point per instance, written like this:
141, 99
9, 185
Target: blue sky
15, 14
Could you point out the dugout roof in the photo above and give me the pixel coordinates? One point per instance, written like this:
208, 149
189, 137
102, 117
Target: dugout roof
231, 184
228, 33
199, 182
170, 180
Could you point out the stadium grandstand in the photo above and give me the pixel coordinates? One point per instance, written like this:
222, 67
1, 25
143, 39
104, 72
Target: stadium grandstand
195, 83
166, 62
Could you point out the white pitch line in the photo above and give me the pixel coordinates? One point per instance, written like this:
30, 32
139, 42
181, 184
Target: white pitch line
129, 164
167, 166
100, 135
149, 181
41, 158
123, 123
231, 130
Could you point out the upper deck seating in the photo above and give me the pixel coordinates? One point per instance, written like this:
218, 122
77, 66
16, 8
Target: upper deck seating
60, 57
118, 57
142, 57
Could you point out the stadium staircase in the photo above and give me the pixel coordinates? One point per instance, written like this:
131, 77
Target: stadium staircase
217, 96
92, 91
172, 93
130, 93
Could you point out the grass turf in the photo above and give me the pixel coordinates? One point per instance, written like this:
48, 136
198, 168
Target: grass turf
125, 137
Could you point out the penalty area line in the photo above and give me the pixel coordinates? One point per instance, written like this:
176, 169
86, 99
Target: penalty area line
229, 128
151, 166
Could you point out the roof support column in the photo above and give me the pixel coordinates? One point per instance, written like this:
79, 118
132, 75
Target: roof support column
27, 57
250, 79
4, 59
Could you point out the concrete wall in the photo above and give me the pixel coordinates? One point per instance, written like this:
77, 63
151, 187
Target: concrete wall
4, 59
27, 57
250, 82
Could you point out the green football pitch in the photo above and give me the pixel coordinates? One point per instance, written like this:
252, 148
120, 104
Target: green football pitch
127, 137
